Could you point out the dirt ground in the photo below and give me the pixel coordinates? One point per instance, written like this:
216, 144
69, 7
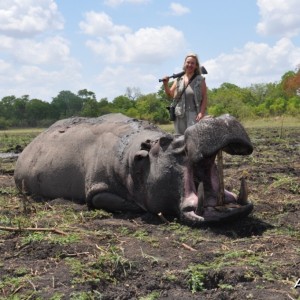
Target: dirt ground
60, 250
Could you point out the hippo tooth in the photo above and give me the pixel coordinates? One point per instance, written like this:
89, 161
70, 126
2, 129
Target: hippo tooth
243, 194
200, 207
221, 179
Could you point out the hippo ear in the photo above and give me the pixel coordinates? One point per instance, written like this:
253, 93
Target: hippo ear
161, 144
165, 141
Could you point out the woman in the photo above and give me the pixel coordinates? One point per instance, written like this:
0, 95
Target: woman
189, 92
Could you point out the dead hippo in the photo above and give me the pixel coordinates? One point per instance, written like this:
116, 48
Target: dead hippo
121, 164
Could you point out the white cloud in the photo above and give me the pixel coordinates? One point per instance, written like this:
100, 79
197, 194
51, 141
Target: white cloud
255, 63
34, 59
39, 83
100, 24
53, 50
178, 9
118, 44
279, 17
4, 66
134, 77
145, 46
114, 3
28, 17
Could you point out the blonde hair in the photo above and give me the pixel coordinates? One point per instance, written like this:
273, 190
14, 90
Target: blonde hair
198, 67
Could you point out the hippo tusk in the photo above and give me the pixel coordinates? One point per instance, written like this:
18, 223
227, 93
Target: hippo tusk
221, 195
200, 207
243, 194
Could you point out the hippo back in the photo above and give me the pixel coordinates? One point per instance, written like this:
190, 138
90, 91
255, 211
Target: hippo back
65, 159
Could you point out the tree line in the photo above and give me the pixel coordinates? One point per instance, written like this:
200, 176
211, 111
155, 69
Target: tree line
258, 100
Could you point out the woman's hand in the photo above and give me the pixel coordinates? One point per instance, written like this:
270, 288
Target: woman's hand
166, 86
200, 116
166, 79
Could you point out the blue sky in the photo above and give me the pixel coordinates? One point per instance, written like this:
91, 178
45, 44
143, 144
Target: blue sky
47, 46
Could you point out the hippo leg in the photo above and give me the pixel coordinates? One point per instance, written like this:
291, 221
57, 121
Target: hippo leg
113, 202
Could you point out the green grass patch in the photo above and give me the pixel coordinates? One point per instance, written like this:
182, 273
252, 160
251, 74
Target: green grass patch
286, 182
51, 238
266, 270
108, 266
143, 235
167, 127
7, 166
284, 121
9, 139
96, 214
152, 296
11, 285
8, 191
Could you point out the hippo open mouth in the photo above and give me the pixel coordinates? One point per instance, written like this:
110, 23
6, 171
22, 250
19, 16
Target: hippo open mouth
205, 198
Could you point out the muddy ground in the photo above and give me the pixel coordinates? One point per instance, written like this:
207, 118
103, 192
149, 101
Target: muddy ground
60, 250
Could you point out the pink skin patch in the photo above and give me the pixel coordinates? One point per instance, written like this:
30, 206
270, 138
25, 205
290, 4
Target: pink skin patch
190, 193
211, 179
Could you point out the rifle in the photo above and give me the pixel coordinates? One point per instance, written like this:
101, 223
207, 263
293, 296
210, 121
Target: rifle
173, 76
203, 71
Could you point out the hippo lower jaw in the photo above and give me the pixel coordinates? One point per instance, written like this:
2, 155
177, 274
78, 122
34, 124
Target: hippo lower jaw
207, 206
218, 214
237, 208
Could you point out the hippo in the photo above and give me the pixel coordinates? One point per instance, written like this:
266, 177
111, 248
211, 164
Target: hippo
117, 163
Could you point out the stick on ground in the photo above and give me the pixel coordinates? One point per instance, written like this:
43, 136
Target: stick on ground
54, 230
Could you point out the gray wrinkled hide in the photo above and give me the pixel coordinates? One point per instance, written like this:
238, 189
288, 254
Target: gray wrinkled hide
118, 163
78, 158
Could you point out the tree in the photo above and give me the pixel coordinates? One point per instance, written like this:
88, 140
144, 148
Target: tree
132, 113
86, 95
277, 107
7, 109
161, 95
291, 83
90, 108
105, 107
38, 110
293, 106
122, 104
150, 107
67, 104
132, 93
20, 107
230, 99
258, 92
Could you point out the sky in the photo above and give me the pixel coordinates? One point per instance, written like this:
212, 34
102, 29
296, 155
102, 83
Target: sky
106, 46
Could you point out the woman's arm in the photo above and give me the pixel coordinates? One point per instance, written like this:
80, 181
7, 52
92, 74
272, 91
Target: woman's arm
203, 102
170, 91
